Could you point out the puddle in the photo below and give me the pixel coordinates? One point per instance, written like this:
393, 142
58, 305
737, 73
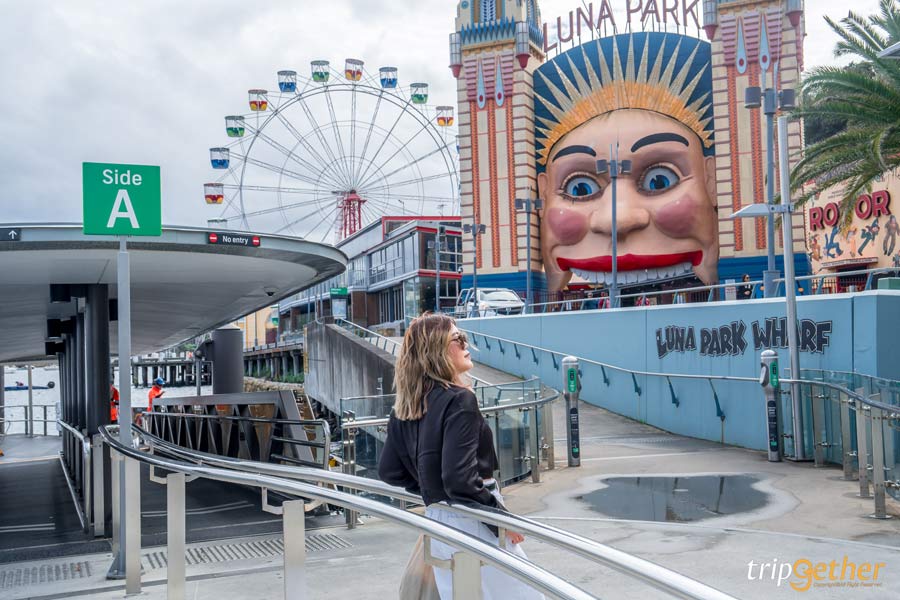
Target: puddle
676, 499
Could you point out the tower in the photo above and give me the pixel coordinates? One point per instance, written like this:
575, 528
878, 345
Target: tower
754, 43
496, 46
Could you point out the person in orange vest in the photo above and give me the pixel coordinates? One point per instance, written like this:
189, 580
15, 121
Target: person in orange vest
155, 392
113, 404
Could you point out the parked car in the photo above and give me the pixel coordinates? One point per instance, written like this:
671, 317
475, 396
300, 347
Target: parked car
491, 302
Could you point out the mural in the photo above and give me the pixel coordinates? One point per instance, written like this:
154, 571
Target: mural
646, 98
867, 240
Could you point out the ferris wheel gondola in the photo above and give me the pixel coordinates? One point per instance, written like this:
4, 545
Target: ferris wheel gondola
327, 154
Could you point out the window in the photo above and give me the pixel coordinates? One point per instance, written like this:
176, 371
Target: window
488, 11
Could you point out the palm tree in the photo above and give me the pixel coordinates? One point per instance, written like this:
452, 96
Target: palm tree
866, 97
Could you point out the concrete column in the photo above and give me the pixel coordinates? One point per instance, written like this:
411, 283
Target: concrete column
80, 390
296, 360
96, 327
227, 356
284, 365
259, 365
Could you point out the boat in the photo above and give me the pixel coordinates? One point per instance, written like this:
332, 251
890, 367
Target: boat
21, 387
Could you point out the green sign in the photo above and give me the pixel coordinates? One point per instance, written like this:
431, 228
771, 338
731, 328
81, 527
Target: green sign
773, 374
121, 199
572, 380
342, 291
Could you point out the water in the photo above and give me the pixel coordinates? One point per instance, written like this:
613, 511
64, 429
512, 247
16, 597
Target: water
16, 401
676, 499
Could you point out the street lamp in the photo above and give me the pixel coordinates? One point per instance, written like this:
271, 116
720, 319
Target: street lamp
476, 229
790, 293
771, 100
614, 167
528, 205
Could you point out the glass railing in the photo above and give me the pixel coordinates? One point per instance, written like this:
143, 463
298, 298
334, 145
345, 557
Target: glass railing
517, 413
855, 422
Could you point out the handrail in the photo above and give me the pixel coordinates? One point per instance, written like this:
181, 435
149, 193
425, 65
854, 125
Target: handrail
643, 570
517, 567
853, 395
378, 421
614, 367
72, 430
487, 386
395, 343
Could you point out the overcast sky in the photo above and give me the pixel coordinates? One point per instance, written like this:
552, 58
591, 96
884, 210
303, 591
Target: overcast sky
149, 82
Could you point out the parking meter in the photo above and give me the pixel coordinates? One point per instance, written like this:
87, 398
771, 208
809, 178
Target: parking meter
768, 379
572, 387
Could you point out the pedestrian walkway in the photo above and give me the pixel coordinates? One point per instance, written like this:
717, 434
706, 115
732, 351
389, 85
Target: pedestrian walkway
807, 514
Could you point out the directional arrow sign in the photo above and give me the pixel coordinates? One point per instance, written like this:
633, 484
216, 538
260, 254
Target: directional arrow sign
10, 234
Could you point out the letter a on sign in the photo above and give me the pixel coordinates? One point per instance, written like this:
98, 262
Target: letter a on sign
122, 209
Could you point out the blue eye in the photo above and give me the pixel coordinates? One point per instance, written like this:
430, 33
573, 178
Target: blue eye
581, 187
659, 179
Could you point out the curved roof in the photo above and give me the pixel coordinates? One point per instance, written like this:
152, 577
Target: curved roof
181, 284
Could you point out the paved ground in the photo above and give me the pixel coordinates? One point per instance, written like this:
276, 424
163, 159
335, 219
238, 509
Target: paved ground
808, 514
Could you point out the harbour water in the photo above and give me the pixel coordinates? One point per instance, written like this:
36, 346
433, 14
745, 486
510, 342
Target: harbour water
16, 402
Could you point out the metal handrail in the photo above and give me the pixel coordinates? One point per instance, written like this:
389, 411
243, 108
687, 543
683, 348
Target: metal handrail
519, 568
853, 395
501, 386
643, 570
379, 421
73, 431
614, 367
396, 344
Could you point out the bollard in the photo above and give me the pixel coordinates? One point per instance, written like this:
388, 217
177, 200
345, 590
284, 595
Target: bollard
768, 379
572, 387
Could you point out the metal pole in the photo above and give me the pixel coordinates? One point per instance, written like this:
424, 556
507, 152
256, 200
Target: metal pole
614, 286
475, 269
293, 518
790, 287
528, 299
771, 273
120, 563
29, 422
3, 401
175, 526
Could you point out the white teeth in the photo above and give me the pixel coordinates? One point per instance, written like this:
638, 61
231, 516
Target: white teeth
631, 277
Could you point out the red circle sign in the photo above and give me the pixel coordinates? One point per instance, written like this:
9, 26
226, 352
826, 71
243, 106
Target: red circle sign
255, 240
213, 238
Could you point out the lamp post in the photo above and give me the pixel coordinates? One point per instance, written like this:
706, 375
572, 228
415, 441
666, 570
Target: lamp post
770, 100
475, 229
528, 204
785, 209
614, 168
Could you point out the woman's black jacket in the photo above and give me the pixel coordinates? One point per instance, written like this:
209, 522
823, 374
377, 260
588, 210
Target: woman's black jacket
446, 454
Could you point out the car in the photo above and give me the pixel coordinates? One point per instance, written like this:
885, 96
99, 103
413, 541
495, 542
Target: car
491, 302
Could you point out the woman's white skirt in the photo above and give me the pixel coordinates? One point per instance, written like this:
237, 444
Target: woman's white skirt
495, 584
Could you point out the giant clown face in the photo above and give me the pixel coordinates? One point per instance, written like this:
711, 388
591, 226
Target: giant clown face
666, 214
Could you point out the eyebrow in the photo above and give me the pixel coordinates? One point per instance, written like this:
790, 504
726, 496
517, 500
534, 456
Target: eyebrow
575, 150
658, 138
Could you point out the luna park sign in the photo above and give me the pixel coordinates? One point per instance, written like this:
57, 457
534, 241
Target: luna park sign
731, 339
680, 13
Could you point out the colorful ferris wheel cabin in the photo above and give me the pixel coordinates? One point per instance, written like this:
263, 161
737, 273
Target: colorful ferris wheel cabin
319, 71
214, 193
287, 81
259, 99
353, 69
445, 116
388, 76
419, 93
219, 157
234, 126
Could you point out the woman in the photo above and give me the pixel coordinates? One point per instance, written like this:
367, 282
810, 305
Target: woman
438, 445
745, 291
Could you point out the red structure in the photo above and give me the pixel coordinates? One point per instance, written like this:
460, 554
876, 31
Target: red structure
351, 213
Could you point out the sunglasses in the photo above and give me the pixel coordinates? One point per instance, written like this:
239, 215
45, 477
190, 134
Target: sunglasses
461, 339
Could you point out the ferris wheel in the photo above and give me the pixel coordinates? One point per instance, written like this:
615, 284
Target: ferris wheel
324, 156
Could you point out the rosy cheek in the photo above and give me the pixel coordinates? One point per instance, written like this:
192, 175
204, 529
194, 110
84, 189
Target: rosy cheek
567, 226
681, 218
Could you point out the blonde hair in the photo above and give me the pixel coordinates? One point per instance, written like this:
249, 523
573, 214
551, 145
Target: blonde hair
422, 362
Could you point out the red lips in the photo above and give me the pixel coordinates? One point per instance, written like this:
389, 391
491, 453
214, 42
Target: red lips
630, 262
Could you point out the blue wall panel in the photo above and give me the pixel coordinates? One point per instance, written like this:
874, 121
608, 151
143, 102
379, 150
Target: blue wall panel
628, 338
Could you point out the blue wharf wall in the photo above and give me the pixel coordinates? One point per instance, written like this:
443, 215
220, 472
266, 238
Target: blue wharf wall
842, 332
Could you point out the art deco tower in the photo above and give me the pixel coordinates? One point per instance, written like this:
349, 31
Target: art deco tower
754, 43
493, 53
